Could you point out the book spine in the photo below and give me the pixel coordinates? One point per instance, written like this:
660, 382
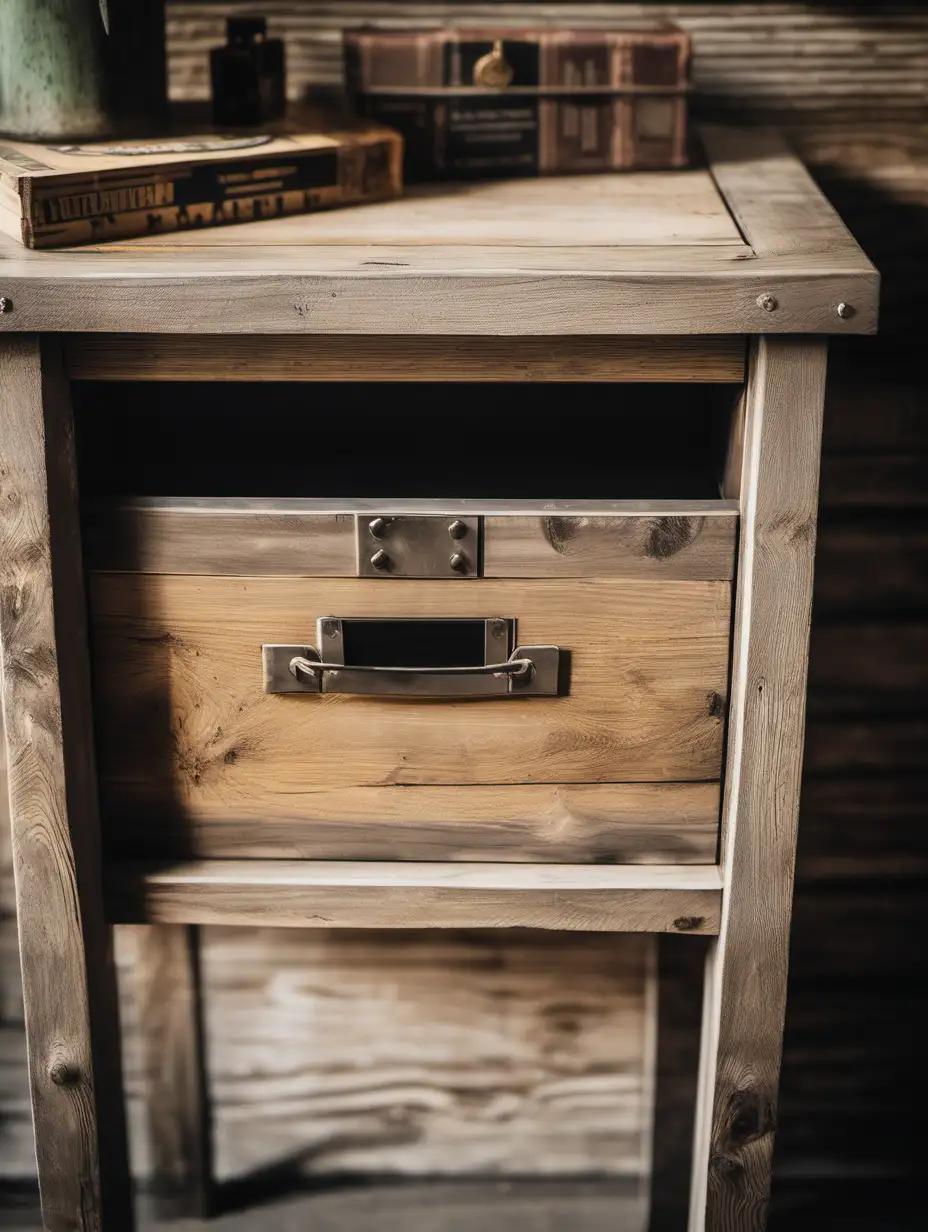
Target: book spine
183, 196
639, 120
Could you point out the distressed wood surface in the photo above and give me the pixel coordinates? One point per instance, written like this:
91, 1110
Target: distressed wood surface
397, 1053
166, 976
677, 540
433, 283
127, 357
65, 949
186, 733
384, 895
614, 823
747, 972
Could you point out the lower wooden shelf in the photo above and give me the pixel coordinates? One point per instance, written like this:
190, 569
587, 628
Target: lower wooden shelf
357, 894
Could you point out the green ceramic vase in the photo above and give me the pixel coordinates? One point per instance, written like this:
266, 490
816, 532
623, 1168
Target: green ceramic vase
80, 68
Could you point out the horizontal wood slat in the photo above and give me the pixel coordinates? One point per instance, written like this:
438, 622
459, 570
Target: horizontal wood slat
334, 894
673, 540
609, 823
128, 357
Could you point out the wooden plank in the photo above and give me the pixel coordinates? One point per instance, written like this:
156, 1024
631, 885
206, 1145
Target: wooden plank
868, 667
863, 827
693, 547
167, 983
868, 566
637, 209
774, 199
875, 480
746, 978
290, 294
129, 357
621, 823
186, 731
673, 540
341, 894
68, 979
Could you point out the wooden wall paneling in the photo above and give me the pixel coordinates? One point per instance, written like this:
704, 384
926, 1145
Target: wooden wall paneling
746, 977
69, 982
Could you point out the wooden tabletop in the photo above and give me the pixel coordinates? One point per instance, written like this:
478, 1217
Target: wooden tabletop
745, 244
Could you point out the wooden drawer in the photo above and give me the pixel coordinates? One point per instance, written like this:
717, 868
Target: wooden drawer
196, 758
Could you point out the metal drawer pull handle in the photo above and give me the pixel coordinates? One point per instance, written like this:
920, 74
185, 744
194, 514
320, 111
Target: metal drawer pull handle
416, 657
513, 667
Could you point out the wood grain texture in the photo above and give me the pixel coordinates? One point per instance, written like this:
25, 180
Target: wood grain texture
746, 976
692, 547
452, 276
167, 981
128, 357
369, 894
614, 823
405, 1054
186, 733
676, 540
69, 984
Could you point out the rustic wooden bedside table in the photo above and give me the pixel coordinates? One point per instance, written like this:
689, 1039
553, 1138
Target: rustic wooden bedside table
534, 611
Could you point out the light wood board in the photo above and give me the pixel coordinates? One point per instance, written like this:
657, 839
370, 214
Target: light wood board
372, 894
670, 540
186, 733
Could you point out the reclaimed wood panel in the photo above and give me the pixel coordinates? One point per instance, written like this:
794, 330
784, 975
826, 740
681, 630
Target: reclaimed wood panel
615, 823
746, 975
129, 357
358, 1052
69, 984
384, 895
185, 732
673, 540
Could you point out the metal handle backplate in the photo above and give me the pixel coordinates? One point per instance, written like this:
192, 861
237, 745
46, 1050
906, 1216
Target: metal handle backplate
529, 671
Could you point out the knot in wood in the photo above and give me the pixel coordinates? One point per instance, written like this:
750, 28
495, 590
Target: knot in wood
64, 1073
688, 923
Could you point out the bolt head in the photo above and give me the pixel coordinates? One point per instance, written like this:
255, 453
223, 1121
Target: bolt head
380, 560
845, 311
6, 305
458, 562
378, 527
769, 303
457, 529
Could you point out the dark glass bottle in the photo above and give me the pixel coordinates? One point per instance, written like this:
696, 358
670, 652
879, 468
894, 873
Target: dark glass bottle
248, 74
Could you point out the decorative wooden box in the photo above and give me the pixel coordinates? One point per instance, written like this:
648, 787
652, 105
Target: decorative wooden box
505, 625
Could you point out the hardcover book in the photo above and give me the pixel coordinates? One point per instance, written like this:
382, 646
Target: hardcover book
478, 103
57, 195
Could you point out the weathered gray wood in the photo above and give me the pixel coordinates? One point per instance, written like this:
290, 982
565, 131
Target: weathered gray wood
69, 984
284, 278
746, 977
167, 983
676, 540
379, 894
690, 546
